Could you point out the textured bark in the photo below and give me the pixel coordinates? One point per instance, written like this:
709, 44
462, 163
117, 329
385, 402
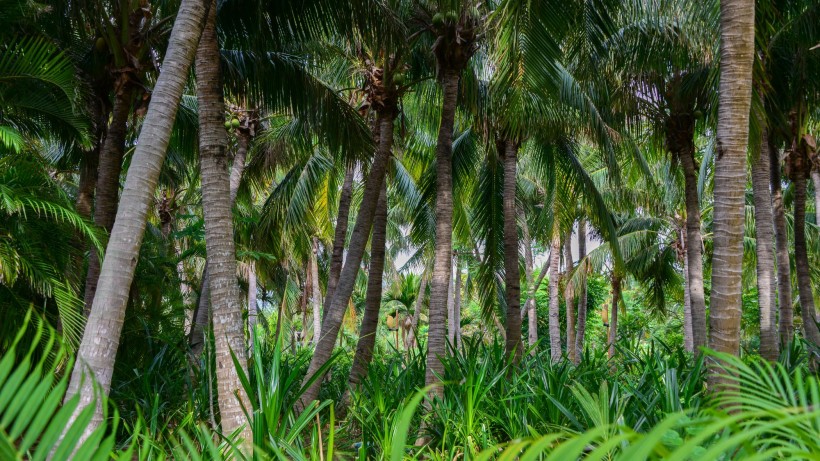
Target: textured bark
339, 237
440, 278
612, 337
581, 323
801, 258
226, 305
451, 303
554, 323
98, 349
736, 58
688, 334
815, 179
680, 134
108, 184
373, 296
512, 273
410, 341
764, 248
347, 278
457, 304
253, 309
316, 294
781, 243
243, 141
87, 183
569, 299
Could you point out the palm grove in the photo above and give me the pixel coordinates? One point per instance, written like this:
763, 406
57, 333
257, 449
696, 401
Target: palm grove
501, 227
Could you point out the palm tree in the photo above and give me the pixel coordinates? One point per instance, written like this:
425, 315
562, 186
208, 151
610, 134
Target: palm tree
226, 311
736, 59
98, 349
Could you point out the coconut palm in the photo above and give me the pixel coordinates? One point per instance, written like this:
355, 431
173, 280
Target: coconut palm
736, 59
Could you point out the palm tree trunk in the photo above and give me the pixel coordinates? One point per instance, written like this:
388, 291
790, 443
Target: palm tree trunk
801, 258
339, 237
764, 231
411, 336
98, 349
316, 293
512, 273
226, 307
253, 309
347, 278
568, 299
108, 183
694, 247
457, 305
87, 183
737, 26
451, 304
613, 315
554, 322
815, 179
581, 323
688, 334
781, 254
440, 278
243, 141
373, 297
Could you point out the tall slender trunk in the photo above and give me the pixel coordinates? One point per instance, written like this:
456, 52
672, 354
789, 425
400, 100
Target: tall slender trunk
101, 337
764, 231
781, 253
87, 183
457, 305
613, 315
411, 341
108, 183
581, 323
373, 297
253, 309
339, 237
512, 273
688, 334
801, 258
554, 322
202, 313
347, 278
737, 27
451, 304
680, 140
568, 299
440, 278
316, 293
815, 179
529, 305
226, 306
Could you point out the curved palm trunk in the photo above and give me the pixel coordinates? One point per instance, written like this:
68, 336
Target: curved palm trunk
613, 315
801, 260
347, 278
781, 243
568, 299
581, 323
736, 58
101, 337
253, 310
440, 278
512, 273
316, 294
339, 237
410, 341
108, 184
373, 297
764, 230
554, 323
680, 138
226, 307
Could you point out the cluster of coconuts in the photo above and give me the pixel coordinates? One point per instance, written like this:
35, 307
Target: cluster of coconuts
450, 17
232, 123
